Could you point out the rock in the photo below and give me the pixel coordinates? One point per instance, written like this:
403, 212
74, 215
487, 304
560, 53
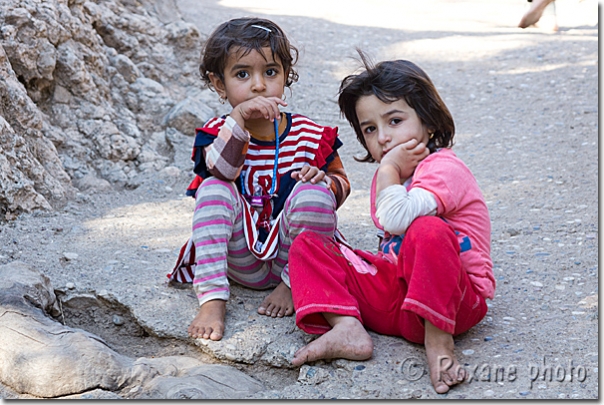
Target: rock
76, 104
118, 320
59, 361
126, 68
70, 256
91, 183
187, 115
311, 375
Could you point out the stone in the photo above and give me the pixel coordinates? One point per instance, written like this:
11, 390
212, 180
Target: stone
75, 99
58, 361
187, 115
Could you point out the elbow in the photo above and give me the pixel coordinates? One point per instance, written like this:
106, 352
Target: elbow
394, 227
221, 176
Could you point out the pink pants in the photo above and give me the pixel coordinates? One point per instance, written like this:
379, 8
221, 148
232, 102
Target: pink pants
428, 282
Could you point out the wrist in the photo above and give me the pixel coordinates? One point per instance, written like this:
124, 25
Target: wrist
387, 175
236, 115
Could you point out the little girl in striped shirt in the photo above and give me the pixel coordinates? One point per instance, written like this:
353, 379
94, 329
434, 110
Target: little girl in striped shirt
263, 176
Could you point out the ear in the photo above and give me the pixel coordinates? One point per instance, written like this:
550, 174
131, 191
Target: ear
218, 85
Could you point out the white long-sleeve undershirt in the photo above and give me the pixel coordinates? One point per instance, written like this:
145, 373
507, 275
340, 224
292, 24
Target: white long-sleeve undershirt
396, 208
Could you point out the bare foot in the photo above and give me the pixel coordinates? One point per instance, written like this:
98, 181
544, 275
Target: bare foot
209, 321
445, 370
534, 13
279, 303
348, 339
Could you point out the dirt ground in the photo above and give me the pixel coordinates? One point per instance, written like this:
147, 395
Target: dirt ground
525, 103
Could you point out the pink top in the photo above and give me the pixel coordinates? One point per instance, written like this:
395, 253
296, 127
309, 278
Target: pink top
461, 203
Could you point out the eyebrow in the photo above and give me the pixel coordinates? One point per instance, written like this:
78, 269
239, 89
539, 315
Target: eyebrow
394, 111
386, 114
244, 66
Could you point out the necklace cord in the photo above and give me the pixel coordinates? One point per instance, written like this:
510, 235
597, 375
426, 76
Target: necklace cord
275, 169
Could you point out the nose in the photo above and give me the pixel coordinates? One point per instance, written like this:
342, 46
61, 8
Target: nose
258, 84
383, 136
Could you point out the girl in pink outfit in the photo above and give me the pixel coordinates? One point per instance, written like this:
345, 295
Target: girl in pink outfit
433, 271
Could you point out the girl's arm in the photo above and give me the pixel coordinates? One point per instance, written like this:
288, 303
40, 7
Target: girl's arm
225, 156
339, 181
396, 208
335, 177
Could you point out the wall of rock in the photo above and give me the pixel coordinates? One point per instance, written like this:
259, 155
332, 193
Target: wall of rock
94, 95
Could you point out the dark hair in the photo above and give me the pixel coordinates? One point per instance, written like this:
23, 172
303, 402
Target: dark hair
248, 35
393, 80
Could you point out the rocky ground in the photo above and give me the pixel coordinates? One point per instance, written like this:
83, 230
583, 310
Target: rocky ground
526, 109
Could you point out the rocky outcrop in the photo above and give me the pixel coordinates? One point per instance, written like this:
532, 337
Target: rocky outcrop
42, 358
92, 96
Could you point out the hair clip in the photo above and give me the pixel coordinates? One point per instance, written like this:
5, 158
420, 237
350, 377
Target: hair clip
261, 27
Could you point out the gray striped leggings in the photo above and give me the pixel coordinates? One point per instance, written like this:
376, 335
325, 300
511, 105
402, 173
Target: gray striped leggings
221, 250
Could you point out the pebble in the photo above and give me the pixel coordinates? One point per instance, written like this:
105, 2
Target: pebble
360, 368
489, 393
524, 393
509, 318
488, 338
536, 284
70, 255
468, 352
230, 356
70, 286
118, 320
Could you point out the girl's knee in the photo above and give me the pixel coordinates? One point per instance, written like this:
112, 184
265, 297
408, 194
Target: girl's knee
213, 189
306, 241
429, 228
318, 195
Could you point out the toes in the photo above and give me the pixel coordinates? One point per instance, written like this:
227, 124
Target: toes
461, 374
298, 359
262, 309
215, 335
197, 333
441, 388
446, 378
193, 332
271, 310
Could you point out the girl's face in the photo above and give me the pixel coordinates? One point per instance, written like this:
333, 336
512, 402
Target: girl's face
386, 125
249, 76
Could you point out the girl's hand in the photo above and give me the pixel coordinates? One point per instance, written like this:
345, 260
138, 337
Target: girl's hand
399, 163
312, 174
405, 157
257, 108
